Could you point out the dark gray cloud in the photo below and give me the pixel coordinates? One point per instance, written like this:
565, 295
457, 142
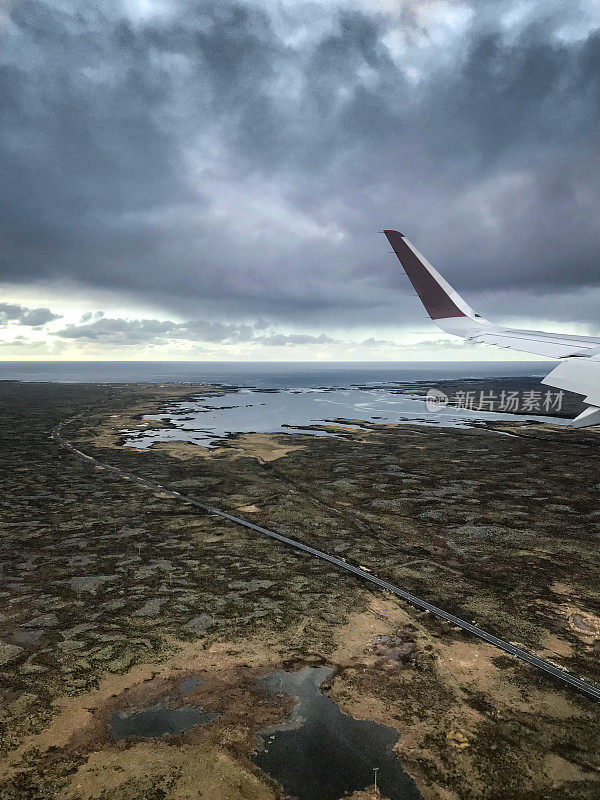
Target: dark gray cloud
119, 332
20, 315
235, 160
281, 339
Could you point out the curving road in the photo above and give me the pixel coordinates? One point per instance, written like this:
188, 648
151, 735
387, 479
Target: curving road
548, 667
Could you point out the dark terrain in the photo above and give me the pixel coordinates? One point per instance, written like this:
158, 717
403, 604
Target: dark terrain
108, 590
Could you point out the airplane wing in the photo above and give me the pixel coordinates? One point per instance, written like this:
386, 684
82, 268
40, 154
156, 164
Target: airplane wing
579, 367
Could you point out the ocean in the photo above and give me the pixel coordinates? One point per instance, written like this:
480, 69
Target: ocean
265, 375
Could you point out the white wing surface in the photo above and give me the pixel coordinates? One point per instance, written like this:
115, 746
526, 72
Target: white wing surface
579, 368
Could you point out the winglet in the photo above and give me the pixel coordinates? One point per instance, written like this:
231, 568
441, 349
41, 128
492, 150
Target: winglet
438, 297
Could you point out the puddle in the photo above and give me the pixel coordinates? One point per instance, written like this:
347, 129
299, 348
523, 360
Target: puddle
320, 753
189, 684
158, 720
579, 621
582, 624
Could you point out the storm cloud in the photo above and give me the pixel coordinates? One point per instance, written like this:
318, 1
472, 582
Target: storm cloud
141, 331
30, 317
135, 332
231, 161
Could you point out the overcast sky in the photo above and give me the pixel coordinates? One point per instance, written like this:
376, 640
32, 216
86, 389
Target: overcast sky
208, 179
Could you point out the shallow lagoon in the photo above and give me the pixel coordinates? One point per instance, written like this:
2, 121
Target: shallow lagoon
207, 420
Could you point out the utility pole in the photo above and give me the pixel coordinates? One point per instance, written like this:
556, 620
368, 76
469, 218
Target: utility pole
375, 770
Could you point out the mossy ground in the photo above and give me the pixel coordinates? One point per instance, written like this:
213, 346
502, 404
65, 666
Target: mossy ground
101, 577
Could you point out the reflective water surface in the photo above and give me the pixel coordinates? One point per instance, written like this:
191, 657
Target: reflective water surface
320, 753
207, 420
271, 374
158, 719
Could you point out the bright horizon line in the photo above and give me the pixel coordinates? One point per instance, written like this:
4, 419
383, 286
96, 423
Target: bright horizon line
540, 359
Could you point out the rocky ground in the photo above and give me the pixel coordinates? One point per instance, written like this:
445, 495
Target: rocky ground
110, 594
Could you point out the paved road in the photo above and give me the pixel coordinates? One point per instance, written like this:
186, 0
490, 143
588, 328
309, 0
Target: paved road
539, 663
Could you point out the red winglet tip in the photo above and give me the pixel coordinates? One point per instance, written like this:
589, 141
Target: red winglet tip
396, 232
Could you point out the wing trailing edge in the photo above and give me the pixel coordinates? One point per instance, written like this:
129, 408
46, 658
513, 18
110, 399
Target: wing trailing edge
581, 376
579, 370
